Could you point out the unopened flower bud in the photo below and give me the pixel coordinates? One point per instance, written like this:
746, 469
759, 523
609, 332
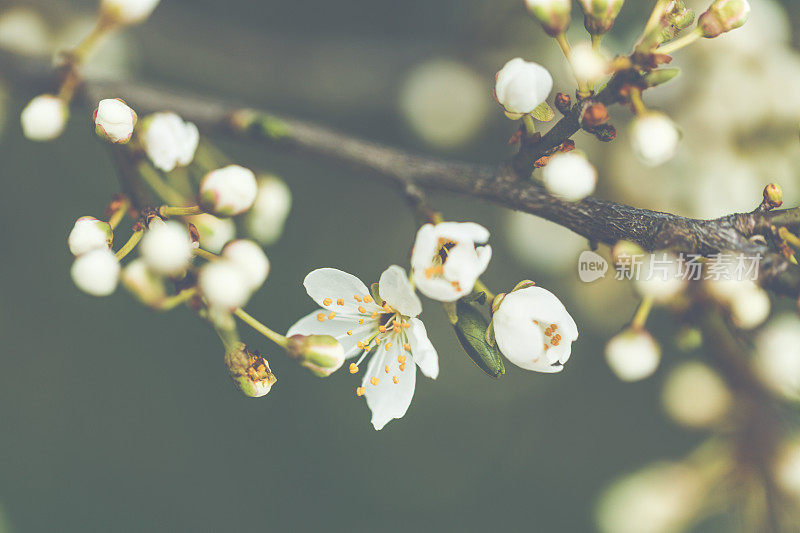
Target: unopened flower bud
114, 120
605, 133
322, 354
588, 63
143, 283
266, 218
168, 140
521, 86
723, 16
44, 118
633, 355
214, 232
96, 272
654, 138
570, 177
563, 103
626, 252
250, 371
553, 15
228, 191
695, 396
594, 115
224, 284
773, 195
127, 11
166, 248
89, 234
600, 15
250, 259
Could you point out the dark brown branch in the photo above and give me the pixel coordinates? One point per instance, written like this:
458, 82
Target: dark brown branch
508, 184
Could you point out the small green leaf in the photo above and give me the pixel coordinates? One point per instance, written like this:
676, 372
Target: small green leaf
661, 76
471, 332
543, 113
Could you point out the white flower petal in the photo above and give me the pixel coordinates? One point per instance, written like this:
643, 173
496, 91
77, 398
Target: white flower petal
397, 291
388, 400
520, 341
329, 287
336, 328
422, 349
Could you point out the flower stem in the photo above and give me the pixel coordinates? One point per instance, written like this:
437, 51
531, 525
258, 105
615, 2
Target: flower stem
275, 337
636, 101
563, 43
481, 287
679, 43
130, 245
159, 186
530, 125
170, 211
119, 214
205, 254
640, 318
596, 41
174, 301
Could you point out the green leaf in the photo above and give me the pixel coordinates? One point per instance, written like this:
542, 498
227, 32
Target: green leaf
471, 332
543, 113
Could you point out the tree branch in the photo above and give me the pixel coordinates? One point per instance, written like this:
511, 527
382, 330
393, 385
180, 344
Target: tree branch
507, 184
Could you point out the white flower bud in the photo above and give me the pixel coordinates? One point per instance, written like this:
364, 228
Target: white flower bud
723, 16
588, 64
266, 218
250, 371
96, 272
166, 248
143, 283
521, 86
114, 120
654, 138
695, 396
128, 11
24, 31
322, 354
750, 308
600, 15
228, 191
168, 140
660, 278
214, 232
250, 259
633, 355
44, 118
89, 234
777, 356
553, 15
570, 176
224, 284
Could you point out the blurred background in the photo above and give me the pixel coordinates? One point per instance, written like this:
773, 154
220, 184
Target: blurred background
115, 418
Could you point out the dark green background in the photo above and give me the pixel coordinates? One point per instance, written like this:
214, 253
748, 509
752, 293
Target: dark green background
114, 418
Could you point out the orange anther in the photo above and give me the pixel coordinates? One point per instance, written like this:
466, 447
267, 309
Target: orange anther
360, 391
432, 271
349, 331
353, 368
386, 369
402, 367
331, 315
401, 359
395, 379
406, 347
360, 320
382, 329
358, 298
367, 299
388, 345
321, 317
374, 381
340, 301
361, 309
327, 301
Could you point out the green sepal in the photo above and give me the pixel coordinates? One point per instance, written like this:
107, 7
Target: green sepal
471, 330
543, 113
375, 292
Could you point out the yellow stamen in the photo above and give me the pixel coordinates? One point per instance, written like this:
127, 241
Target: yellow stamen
360, 391
386, 369
340, 301
321, 317
327, 301
353, 368
395, 379
331, 315
374, 381
361, 309
368, 299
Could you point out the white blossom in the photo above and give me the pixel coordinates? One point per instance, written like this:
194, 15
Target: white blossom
214, 232
166, 248
448, 258
389, 330
250, 259
654, 138
695, 396
24, 31
114, 120
89, 234
633, 355
44, 118
521, 86
143, 283
588, 63
570, 176
777, 356
168, 140
748, 303
266, 218
96, 272
128, 11
534, 330
224, 284
228, 191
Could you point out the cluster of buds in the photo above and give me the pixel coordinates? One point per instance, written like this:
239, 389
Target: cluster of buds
229, 282
96, 269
